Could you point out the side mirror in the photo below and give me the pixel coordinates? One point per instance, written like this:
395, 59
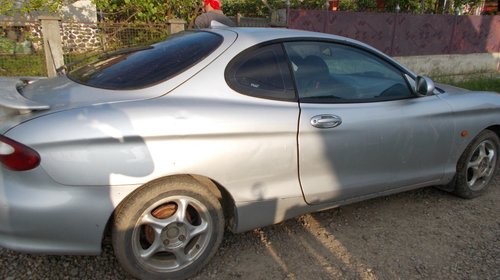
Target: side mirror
424, 86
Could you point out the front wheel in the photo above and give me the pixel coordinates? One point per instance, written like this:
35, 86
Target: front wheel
477, 165
168, 230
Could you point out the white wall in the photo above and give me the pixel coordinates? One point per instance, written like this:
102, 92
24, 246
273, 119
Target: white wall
80, 10
457, 66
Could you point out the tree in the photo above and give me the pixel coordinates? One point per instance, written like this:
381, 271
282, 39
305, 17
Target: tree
151, 11
358, 5
11, 8
406, 6
262, 8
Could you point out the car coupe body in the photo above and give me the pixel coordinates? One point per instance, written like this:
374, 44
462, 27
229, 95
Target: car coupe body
267, 123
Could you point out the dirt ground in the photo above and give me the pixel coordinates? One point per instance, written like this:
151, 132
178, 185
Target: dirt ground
422, 234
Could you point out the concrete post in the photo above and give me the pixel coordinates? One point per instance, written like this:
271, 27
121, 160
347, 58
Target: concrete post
52, 44
176, 25
238, 19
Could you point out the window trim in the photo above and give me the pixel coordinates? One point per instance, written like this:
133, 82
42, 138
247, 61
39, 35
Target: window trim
229, 78
230, 81
370, 50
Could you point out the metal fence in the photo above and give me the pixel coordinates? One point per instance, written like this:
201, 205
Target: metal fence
21, 51
21, 43
250, 22
83, 41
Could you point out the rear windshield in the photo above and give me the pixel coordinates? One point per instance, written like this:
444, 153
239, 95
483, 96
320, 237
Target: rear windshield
141, 67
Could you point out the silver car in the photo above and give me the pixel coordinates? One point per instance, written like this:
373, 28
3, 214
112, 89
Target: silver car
166, 146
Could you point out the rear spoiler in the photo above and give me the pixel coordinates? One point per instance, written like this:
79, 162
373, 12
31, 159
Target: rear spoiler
10, 95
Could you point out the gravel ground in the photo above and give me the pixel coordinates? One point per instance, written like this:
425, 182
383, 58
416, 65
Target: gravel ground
422, 234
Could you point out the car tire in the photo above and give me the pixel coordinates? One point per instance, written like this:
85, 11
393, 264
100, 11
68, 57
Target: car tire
168, 229
477, 166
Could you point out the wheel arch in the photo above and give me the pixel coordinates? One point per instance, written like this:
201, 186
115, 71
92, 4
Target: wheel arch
495, 128
225, 198
449, 186
220, 192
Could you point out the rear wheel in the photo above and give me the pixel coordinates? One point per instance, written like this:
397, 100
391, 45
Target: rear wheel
168, 230
477, 165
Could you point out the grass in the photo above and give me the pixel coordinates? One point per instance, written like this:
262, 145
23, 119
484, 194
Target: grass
484, 84
22, 65
34, 64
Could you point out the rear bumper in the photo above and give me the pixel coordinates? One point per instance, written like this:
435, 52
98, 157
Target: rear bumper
41, 216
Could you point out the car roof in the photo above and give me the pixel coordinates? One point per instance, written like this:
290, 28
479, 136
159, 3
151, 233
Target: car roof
269, 33
250, 36
263, 34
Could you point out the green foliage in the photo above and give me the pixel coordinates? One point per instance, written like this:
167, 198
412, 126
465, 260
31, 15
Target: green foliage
15, 40
307, 4
9, 7
432, 6
406, 6
11, 47
22, 65
366, 5
465, 6
485, 84
358, 5
150, 11
6, 7
347, 5
249, 8
6, 45
132, 34
158, 11
257, 8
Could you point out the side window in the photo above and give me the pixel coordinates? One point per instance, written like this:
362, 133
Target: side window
329, 72
261, 72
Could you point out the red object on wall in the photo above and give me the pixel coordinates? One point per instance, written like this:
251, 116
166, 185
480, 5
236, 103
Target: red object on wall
380, 5
333, 5
490, 7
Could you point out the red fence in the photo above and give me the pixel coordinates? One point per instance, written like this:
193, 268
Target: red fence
406, 34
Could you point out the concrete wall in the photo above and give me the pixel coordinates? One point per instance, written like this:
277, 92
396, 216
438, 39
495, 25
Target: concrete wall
455, 66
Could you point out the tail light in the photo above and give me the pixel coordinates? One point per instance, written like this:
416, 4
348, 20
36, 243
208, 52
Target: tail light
16, 156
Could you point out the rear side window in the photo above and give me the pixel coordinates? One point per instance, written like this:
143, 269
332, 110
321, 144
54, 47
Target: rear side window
142, 67
261, 72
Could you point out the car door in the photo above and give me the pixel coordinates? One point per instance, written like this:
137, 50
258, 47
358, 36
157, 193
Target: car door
361, 129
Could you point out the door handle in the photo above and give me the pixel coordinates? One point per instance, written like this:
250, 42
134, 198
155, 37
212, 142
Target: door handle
326, 121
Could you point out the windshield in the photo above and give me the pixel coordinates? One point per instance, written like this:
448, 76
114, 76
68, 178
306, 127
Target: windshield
146, 66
